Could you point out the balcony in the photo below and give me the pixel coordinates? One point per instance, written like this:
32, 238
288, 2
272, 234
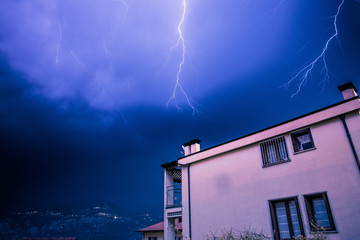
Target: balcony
173, 196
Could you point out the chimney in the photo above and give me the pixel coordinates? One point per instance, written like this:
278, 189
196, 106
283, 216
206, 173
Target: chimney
191, 147
348, 90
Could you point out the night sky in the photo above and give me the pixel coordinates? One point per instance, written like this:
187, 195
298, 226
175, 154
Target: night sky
85, 86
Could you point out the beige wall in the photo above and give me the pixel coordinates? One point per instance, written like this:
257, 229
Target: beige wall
233, 189
159, 235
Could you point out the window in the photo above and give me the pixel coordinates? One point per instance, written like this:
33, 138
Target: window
319, 212
274, 151
302, 140
286, 219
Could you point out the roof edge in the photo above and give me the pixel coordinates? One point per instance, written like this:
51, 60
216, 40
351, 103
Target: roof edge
273, 126
170, 164
149, 230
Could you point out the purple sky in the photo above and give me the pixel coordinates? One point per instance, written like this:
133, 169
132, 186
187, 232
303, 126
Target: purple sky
84, 86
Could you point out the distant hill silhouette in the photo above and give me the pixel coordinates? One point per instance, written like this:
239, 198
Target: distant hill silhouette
98, 221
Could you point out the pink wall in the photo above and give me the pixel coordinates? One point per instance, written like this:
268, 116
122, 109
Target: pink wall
233, 189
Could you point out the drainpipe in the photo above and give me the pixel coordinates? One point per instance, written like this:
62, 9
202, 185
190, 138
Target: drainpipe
189, 200
342, 117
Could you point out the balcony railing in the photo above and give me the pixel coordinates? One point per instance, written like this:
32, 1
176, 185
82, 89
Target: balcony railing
173, 196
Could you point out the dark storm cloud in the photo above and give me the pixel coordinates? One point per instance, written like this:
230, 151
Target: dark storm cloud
51, 152
46, 146
35, 150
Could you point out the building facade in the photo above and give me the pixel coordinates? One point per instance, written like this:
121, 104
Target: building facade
296, 178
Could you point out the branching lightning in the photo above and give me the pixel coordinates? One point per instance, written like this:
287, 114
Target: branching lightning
126, 8
305, 73
76, 58
180, 43
108, 54
58, 44
105, 48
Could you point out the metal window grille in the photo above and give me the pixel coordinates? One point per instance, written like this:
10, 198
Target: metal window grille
274, 151
176, 175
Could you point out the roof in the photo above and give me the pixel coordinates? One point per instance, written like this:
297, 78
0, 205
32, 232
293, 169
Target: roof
159, 227
172, 164
346, 106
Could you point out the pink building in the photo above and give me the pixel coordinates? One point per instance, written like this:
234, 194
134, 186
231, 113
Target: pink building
296, 178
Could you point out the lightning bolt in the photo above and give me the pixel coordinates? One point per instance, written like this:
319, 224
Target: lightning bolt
305, 73
108, 54
180, 42
105, 48
59, 43
76, 58
126, 8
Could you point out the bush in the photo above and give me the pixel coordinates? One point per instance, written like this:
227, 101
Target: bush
231, 234
249, 234
314, 236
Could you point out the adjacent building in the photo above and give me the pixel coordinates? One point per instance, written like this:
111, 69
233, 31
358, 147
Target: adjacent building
296, 178
156, 231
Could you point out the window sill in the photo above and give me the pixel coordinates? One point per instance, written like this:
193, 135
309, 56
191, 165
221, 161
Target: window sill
277, 163
324, 232
173, 206
307, 150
